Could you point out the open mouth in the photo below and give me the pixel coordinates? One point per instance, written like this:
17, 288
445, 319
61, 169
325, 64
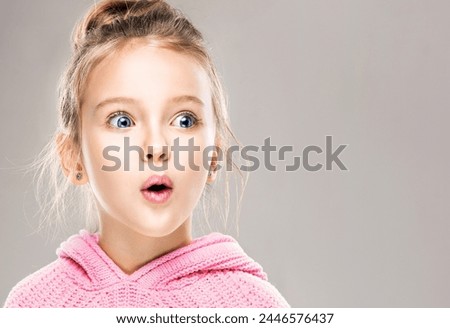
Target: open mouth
157, 189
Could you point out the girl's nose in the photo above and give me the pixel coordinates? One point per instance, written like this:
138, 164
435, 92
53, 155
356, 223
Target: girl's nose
156, 147
157, 153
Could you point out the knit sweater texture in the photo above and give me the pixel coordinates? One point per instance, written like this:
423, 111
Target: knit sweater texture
211, 272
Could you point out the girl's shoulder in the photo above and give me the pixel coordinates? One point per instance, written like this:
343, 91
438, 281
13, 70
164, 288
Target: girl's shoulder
223, 269
36, 289
242, 288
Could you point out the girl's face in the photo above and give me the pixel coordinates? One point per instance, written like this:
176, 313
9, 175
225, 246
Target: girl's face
145, 96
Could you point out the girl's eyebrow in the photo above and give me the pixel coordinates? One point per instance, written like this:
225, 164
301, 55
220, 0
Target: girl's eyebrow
115, 100
186, 98
126, 100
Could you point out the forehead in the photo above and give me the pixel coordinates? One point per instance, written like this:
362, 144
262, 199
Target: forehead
148, 72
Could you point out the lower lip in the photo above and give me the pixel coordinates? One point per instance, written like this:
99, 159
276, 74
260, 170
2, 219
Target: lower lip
157, 197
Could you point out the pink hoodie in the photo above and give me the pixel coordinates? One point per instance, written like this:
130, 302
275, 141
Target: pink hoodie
212, 271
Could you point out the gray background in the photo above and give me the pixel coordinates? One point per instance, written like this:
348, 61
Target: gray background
373, 74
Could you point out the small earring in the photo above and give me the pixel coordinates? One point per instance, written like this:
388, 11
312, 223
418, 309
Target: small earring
79, 176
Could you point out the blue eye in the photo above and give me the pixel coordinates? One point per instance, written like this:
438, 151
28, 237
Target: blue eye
185, 120
120, 120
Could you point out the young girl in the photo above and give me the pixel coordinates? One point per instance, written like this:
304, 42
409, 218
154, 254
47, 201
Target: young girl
140, 106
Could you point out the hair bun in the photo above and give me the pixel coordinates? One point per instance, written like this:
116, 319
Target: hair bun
106, 13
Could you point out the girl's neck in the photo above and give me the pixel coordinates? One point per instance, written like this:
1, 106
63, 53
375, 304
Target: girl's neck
131, 250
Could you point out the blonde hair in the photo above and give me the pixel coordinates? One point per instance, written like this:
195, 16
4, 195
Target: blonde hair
106, 27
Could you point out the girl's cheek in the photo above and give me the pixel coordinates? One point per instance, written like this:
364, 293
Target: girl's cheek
99, 148
196, 150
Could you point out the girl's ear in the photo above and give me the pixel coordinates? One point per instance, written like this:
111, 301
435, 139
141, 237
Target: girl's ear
72, 168
214, 165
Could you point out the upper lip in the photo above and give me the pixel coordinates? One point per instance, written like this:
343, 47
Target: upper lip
157, 180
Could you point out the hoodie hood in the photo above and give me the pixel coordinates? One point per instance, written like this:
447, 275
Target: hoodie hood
213, 252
